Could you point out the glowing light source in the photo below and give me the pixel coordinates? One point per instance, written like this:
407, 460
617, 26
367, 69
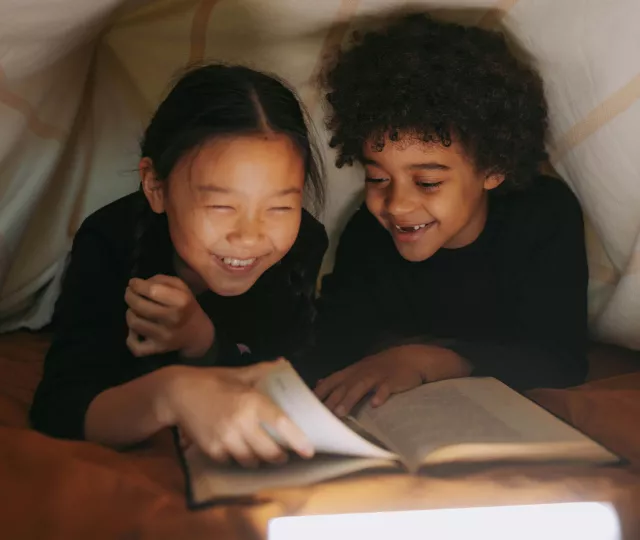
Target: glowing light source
584, 520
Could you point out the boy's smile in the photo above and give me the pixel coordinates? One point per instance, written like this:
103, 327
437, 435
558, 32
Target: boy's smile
410, 233
427, 195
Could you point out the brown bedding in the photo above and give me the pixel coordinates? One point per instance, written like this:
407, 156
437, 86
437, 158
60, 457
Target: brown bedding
58, 489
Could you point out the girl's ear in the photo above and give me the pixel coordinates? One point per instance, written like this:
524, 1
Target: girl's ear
153, 187
493, 181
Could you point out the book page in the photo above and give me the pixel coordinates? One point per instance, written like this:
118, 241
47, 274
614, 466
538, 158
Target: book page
420, 421
209, 481
479, 412
327, 433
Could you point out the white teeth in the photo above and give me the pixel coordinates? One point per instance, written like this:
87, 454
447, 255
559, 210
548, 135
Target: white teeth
238, 262
414, 227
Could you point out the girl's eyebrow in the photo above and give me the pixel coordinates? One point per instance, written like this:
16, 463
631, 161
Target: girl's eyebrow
217, 189
287, 191
213, 189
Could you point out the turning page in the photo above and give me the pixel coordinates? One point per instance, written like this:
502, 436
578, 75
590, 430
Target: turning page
327, 433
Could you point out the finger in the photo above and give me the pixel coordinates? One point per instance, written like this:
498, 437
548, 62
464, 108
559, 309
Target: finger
184, 439
239, 450
382, 395
291, 434
161, 293
146, 308
170, 281
142, 348
354, 395
252, 374
264, 446
146, 328
335, 397
326, 386
216, 450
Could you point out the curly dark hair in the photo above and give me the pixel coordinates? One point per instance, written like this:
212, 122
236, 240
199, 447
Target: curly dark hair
439, 81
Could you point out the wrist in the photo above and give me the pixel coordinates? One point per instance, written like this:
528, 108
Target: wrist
436, 363
204, 336
169, 380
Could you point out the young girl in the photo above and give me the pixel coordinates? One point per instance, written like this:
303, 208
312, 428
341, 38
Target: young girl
463, 261
213, 262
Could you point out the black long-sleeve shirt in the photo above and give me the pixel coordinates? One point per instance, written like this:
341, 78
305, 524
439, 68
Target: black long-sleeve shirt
513, 303
89, 354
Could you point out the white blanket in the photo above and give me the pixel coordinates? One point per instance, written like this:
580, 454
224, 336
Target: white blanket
78, 79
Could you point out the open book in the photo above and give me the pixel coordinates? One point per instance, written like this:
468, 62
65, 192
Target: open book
469, 420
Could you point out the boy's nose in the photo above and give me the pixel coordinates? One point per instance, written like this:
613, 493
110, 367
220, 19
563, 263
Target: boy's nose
399, 201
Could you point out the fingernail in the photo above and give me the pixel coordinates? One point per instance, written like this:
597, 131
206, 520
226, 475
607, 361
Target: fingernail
340, 410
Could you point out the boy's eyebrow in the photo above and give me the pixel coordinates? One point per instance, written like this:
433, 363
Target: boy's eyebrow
217, 189
429, 166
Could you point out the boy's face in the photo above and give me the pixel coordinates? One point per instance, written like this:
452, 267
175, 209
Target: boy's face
426, 195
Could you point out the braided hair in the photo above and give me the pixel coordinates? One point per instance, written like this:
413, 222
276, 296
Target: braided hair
218, 100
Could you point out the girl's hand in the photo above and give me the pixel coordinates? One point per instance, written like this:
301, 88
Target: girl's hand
165, 312
219, 410
389, 372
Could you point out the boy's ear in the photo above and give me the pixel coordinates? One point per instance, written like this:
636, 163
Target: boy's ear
492, 181
152, 187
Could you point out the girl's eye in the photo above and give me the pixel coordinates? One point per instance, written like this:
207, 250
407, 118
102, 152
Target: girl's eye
282, 208
375, 181
429, 186
221, 207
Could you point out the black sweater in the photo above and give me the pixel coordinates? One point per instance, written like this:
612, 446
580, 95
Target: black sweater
89, 354
513, 303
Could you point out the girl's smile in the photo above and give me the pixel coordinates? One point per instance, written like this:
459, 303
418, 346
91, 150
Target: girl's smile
234, 208
238, 266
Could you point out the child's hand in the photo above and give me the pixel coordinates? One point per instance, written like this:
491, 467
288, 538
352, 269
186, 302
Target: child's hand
165, 312
389, 372
220, 411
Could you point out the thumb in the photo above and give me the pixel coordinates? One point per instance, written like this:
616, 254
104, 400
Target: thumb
169, 281
252, 374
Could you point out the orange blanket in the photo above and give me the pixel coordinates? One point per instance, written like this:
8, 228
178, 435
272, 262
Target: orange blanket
57, 489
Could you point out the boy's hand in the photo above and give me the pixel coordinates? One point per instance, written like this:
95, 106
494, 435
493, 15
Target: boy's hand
389, 372
165, 312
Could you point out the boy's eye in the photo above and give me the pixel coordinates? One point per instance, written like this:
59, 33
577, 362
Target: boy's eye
221, 207
429, 186
282, 208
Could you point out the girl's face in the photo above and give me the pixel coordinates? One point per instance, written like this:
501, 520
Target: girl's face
234, 208
426, 195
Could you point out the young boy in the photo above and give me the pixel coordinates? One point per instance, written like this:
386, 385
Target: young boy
463, 260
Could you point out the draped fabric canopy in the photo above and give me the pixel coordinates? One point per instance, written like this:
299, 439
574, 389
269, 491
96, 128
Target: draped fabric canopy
78, 81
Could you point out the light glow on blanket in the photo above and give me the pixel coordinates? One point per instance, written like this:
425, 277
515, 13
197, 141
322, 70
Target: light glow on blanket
586, 520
